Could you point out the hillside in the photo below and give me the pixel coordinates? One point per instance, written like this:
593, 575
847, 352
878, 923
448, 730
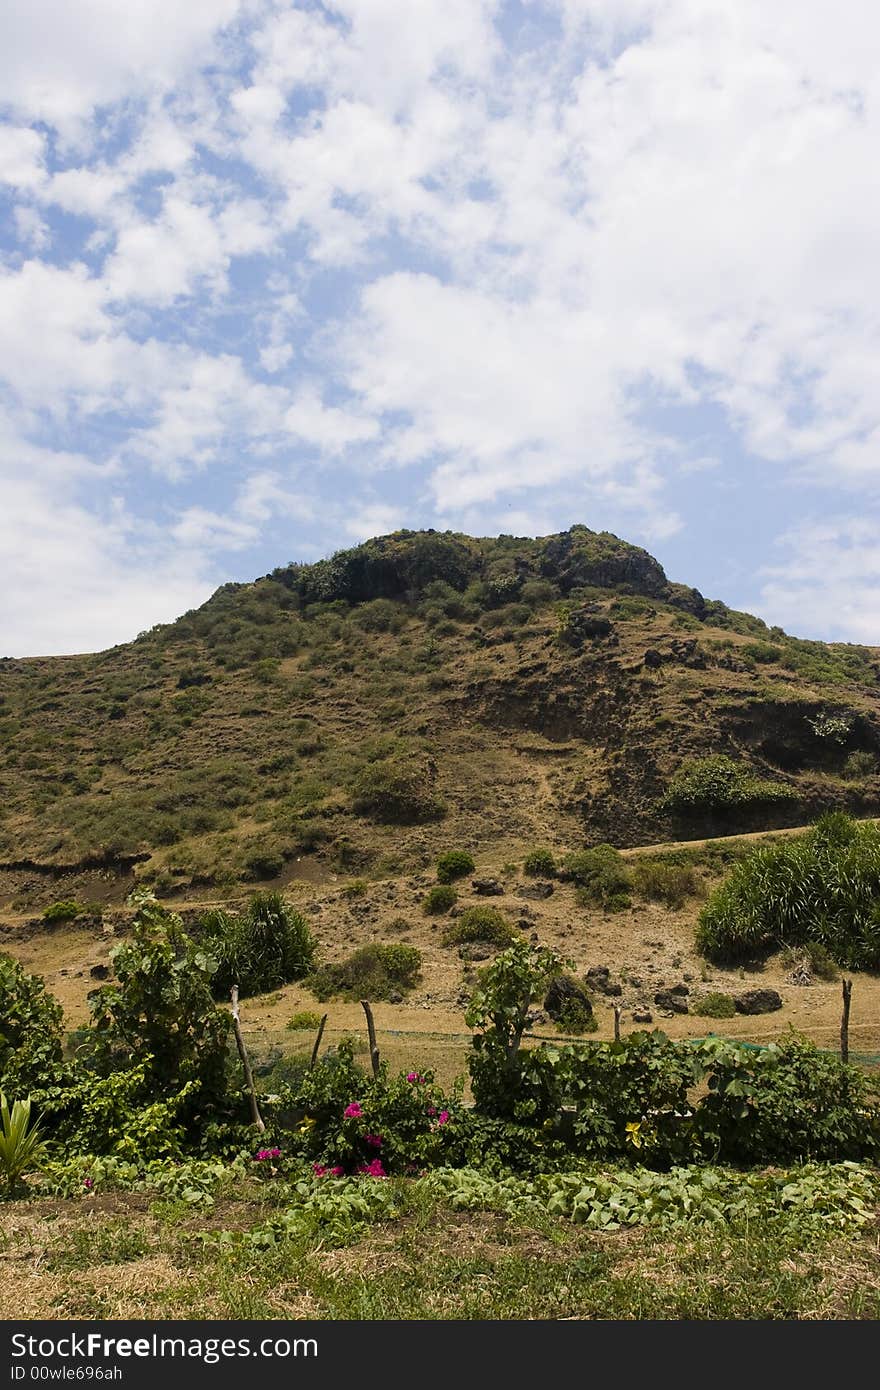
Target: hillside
518, 692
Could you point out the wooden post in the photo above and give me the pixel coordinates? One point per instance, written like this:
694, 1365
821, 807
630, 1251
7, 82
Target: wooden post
314, 1056
246, 1066
371, 1033
844, 1022
617, 1012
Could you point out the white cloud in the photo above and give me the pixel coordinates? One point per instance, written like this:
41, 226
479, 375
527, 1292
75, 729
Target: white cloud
32, 230
830, 584
60, 59
22, 156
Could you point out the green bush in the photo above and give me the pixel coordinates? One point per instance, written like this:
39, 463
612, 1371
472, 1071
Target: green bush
485, 924
161, 1012
304, 1020
671, 884
373, 972
395, 793
602, 876
714, 1005
719, 783
821, 887
540, 863
66, 911
21, 1142
858, 766
31, 1030
816, 957
438, 899
454, 864
264, 863
268, 945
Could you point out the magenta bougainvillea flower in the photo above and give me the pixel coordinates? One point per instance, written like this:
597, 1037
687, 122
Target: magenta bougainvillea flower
373, 1170
353, 1111
443, 1117
263, 1154
88, 1184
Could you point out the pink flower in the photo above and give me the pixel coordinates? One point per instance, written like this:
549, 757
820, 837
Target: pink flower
338, 1171
373, 1170
443, 1117
88, 1184
319, 1170
353, 1111
374, 1140
413, 1076
263, 1154
432, 1110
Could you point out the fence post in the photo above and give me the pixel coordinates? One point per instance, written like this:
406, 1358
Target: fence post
245, 1064
314, 1056
371, 1033
844, 1022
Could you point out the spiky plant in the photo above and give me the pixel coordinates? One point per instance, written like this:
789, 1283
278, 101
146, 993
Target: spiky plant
20, 1142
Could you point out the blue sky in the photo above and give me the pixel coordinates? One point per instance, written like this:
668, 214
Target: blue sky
275, 277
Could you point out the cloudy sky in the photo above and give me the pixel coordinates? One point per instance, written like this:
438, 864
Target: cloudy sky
277, 276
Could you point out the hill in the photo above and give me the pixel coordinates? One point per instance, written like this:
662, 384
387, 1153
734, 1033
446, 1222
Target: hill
418, 692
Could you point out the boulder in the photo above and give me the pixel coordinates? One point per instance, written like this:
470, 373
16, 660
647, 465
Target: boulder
487, 887
541, 889
673, 1003
642, 1016
757, 1001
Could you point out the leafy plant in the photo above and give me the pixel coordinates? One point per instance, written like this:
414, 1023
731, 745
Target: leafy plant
602, 877
540, 863
719, 783
479, 924
821, 887
20, 1142
715, 1004
161, 1012
454, 864
31, 1029
376, 971
66, 910
268, 945
439, 898
303, 1020
671, 884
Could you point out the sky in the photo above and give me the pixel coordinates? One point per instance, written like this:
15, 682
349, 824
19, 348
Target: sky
276, 277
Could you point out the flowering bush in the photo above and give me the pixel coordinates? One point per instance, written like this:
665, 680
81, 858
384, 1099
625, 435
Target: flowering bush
378, 1126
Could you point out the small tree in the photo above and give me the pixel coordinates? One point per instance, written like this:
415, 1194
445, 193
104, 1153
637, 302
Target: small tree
161, 1011
499, 1010
31, 1030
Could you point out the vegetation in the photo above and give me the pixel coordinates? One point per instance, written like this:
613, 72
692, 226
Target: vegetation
540, 863
671, 884
822, 887
395, 793
268, 945
601, 875
20, 1142
485, 924
454, 864
714, 1005
377, 971
439, 898
303, 1020
719, 783
65, 911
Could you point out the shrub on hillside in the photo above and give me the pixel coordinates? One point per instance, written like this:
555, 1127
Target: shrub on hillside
66, 911
484, 924
31, 1030
395, 793
438, 899
377, 971
858, 766
671, 884
719, 783
601, 875
714, 1005
455, 863
268, 945
821, 887
540, 863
